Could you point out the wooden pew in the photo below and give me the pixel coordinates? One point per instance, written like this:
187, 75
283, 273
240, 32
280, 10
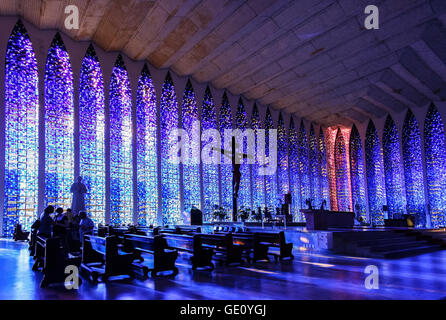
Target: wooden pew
163, 257
101, 257
252, 246
228, 229
270, 239
201, 256
181, 230
277, 240
223, 246
52, 259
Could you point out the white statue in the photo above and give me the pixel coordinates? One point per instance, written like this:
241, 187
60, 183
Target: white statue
79, 190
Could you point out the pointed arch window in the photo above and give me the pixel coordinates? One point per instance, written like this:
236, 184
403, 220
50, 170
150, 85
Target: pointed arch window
282, 157
314, 169
147, 160
357, 175
413, 169
304, 169
294, 173
375, 175
322, 161
191, 167
59, 125
270, 180
21, 131
170, 173
226, 166
211, 187
258, 180
393, 169
435, 149
244, 196
121, 154
342, 172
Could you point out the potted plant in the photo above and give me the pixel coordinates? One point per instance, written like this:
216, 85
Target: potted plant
243, 213
257, 215
219, 213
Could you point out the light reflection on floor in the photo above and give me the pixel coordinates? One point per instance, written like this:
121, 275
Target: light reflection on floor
312, 275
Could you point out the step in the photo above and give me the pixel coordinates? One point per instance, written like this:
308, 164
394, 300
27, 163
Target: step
378, 242
401, 246
407, 252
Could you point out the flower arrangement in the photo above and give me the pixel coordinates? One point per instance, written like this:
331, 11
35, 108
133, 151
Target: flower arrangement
243, 213
219, 213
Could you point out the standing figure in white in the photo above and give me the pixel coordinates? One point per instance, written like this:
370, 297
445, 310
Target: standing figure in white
78, 189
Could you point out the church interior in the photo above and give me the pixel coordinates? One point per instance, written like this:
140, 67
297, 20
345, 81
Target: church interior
222, 150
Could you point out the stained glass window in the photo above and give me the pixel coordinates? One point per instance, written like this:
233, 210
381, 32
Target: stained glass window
413, 169
226, 166
304, 169
270, 180
211, 187
147, 161
59, 127
91, 135
244, 196
322, 161
395, 194
435, 148
314, 169
331, 166
357, 175
342, 172
294, 173
170, 174
191, 167
258, 180
282, 157
21, 131
375, 175
121, 162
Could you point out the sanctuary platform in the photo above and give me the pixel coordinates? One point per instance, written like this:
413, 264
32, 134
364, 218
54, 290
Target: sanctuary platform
378, 242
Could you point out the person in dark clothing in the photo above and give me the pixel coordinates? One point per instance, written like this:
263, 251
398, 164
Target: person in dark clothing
60, 223
46, 222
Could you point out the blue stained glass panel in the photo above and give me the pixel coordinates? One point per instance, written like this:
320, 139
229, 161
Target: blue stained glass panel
271, 188
395, 194
92, 135
59, 125
357, 175
375, 175
435, 149
147, 159
21, 132
191, 169
413, 169
211, 187
170, 173
226, 166
121, 155
258, 180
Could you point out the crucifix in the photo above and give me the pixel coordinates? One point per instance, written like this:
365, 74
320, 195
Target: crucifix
236, 174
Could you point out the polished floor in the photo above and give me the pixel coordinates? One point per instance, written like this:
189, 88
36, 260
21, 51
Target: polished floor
309, 276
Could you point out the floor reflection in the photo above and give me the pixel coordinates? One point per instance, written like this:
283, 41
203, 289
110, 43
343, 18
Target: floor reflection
312, 275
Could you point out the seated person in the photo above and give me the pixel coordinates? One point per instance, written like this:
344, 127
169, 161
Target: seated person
86, 225
46, 222
69, 215
60, 223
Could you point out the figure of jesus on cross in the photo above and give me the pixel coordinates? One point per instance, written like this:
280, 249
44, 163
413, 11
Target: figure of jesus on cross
236, 160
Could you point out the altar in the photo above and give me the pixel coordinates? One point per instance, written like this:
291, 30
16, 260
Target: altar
324, 219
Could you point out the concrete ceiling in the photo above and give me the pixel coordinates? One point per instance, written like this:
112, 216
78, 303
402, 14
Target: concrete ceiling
311, 58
